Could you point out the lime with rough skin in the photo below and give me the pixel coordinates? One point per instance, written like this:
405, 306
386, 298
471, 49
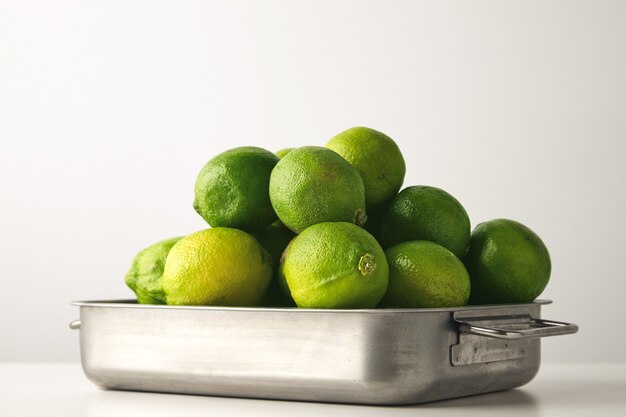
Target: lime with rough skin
507, 263
425, 275
335, 265
283, 152
219, 266
312, 185
376, 157
426, 213
146, 270
232, 189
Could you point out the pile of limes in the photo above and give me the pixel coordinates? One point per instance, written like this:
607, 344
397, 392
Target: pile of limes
328, 227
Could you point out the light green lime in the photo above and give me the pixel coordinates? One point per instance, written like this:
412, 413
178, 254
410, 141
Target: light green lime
335, 265
219, 266
312, 185
146, 270
283, 152
378, 160
425, 274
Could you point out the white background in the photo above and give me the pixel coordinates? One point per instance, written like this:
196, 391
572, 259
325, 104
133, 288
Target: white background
109, 109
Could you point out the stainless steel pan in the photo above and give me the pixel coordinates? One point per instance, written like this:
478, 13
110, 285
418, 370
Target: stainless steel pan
382, 356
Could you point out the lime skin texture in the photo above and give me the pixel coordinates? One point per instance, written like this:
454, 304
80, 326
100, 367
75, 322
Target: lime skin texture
426, 213
313, 185
507, 263
232, 189
335, 265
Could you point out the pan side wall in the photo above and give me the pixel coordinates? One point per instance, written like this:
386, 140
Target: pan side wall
383, 358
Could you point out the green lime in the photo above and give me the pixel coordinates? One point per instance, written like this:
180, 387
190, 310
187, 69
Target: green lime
426, 213
283, 152
376, 157
146, 270
232, 189
335, 265
280, 276
312, 185
507, 263
276, 296
425, 274
374, 220
275, 239
219, 266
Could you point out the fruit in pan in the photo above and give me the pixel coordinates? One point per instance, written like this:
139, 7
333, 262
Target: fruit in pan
425, 274
219, 266
378, 160
507, 263
232, 189
426, 213
335, 265
146, 271
313, 185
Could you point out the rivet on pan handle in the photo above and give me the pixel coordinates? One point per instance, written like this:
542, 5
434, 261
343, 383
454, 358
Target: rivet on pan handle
536, 328
74, 325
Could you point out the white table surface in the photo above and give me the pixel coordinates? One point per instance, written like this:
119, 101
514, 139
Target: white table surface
47, 389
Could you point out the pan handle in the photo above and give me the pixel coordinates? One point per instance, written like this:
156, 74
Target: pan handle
535, 328
75, 325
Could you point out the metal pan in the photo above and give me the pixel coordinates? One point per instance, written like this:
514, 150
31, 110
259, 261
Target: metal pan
382, 356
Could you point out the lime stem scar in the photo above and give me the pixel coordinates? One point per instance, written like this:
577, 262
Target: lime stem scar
367, 264
360, 217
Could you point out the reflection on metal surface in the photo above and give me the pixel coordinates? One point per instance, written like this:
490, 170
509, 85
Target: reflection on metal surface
354, 356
